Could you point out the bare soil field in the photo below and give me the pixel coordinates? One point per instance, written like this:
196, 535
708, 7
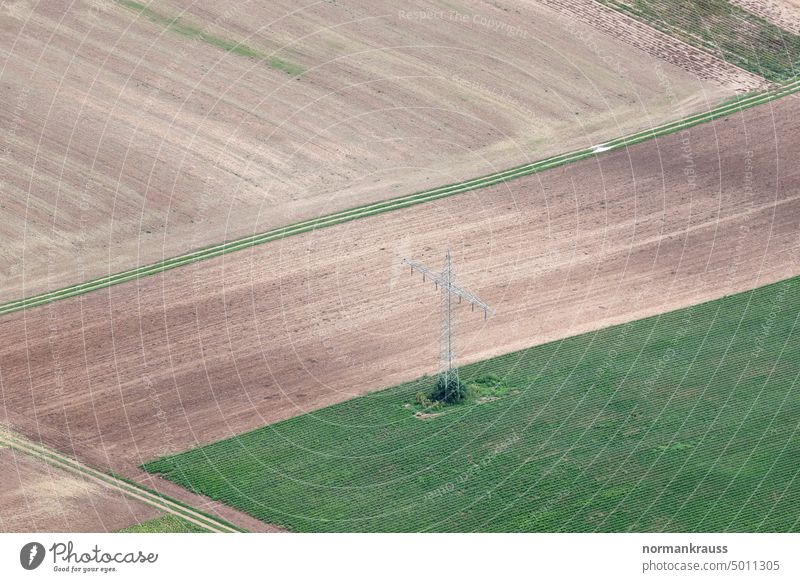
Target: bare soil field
36, 497
145, 369
129, 136
782, 13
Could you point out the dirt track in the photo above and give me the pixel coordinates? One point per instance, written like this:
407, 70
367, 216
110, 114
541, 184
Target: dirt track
205, 352
35, 497
125, 142
76, 497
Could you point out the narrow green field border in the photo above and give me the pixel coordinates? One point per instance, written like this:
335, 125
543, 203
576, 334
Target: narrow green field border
202, 254
166, 523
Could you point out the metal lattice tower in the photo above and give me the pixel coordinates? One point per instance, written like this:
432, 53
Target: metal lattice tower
446, 283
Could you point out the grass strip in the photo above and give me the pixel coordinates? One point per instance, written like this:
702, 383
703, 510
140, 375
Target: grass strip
167, 523
176, 25
392, 204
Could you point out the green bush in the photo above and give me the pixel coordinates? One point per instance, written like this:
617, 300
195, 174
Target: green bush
424, 401
451, 392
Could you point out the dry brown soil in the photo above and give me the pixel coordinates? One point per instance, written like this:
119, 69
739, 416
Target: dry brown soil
125, 141
36, 497
126, 374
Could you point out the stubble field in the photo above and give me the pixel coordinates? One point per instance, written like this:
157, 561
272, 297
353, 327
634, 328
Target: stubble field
136, 132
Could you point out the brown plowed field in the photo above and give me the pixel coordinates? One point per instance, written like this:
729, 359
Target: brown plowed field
121, 376
36, 497
126, 140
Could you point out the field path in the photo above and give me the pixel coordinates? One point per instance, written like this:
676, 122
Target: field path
400, 202
132, 490
129, 139
191, 356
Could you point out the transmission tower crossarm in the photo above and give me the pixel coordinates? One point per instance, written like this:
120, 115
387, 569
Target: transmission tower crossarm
445, 282
456, 290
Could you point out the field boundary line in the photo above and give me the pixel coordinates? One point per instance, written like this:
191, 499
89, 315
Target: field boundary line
124, 486
723, 110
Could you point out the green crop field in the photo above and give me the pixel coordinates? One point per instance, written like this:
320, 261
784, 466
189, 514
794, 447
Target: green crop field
722, 29
688, 421
165, 524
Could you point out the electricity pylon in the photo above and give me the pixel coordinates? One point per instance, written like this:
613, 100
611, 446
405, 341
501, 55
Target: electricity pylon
446, 283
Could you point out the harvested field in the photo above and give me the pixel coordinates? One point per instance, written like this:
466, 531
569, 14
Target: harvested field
782, 13
657, 42
722, 28
686, 421
130, 135
158, 366
36, 497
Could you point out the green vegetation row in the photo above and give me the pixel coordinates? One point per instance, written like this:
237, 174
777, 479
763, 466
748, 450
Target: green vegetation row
176, 25
167, 523
730, 107
686, 421
724, 30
